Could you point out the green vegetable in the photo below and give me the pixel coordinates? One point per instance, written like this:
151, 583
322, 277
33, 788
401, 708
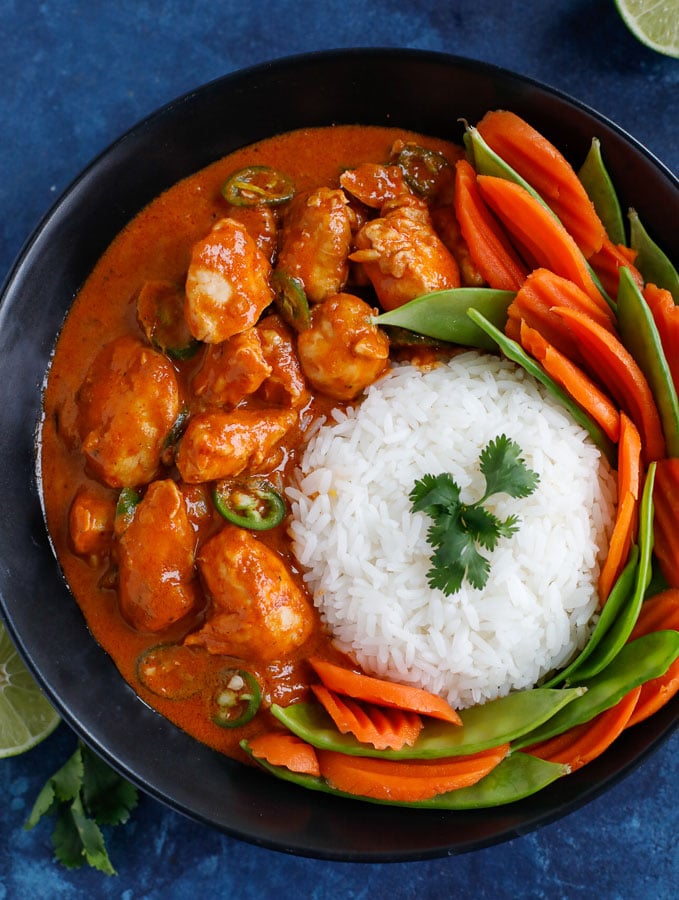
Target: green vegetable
459, 527
600, 190
237, 699
249, 502
651, 261
291, 300
422, 168
517, 354
160, 312
483, 727
84, 794
258, 185
128, 500
443, 315
640, 335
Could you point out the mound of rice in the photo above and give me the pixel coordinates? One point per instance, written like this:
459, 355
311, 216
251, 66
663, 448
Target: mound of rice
365, 553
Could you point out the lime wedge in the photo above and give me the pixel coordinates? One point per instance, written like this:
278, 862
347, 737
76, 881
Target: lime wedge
654, 22
26, 718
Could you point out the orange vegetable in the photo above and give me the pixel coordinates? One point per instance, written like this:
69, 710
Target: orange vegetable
657, 613
629, 458
419, 779
280, 748
583, 743
488, 245
608, 261
666, 317
573, 380
665, 529
614, 366
383, 693
538, 232
548, 172
386, 728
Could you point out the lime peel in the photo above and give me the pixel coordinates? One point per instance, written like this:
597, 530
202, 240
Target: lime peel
653, 22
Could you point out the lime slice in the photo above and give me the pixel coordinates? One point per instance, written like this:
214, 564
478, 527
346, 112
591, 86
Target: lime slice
26, 718
654, 22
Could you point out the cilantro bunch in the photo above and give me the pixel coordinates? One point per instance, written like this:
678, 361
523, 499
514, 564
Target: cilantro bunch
460, 529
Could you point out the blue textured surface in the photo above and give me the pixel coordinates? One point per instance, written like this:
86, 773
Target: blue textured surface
74, 76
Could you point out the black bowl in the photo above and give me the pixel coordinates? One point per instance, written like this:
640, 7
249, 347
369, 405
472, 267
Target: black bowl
423, 91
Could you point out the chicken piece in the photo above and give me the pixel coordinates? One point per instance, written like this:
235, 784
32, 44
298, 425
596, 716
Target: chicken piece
227, 285
216, 445
402, 254
374, 183
261, 224
315, 241
257, 609
231, 370
156, 581
127, 405
285, 386
342, 352
90, 522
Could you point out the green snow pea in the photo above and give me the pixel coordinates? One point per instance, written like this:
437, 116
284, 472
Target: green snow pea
600, 190
512, 350
619, 596
496, 722
443, 315
516, 777
640, 335
652, 262
638, 661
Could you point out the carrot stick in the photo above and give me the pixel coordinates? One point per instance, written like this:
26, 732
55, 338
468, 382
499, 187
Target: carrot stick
536, 229
548, 172
583, 743
420, 779
629, 458
383, 693
608, 261
283, 749
666, 317
618, 547
666, 532
614, 366
573, 380
386, 728
488, 246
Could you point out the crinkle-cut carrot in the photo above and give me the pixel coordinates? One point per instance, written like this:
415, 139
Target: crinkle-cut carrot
666, 317
573, 380
608, 261
657, 613
665, 526
583, 743
280, 748
489, 246
383, 693
608, 360
386, 728
419, 779
535, 228
548, 172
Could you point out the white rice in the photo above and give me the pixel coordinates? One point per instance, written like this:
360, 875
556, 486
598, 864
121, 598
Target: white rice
365, 553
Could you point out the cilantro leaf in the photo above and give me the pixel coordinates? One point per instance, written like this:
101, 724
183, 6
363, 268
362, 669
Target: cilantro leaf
504, 469
434, 491
108, 797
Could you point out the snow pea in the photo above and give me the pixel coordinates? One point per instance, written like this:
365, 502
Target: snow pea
618, 597
496, 722
512, 350
600, 190
640, 335
652, 262
639, 661
443, 315
516, 777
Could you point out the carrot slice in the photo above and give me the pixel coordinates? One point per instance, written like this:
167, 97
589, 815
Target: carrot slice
420, 779
548, 172
489, 247
657, 613
629, 458
666, 532
618, 547
383, 693
386, 728
666, 317
537, 230
613, 365
573, 380
608, 261
583, 743
279, 748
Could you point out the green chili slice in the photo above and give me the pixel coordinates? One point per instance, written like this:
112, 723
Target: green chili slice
258, 185
237, 699
173, 671
249, 502
291, 300
423, 168
160, 313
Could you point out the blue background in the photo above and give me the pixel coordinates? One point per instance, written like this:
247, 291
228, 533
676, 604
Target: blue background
75, 75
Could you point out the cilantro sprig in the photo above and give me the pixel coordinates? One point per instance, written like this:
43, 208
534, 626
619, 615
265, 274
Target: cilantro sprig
460, 529
84, 794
